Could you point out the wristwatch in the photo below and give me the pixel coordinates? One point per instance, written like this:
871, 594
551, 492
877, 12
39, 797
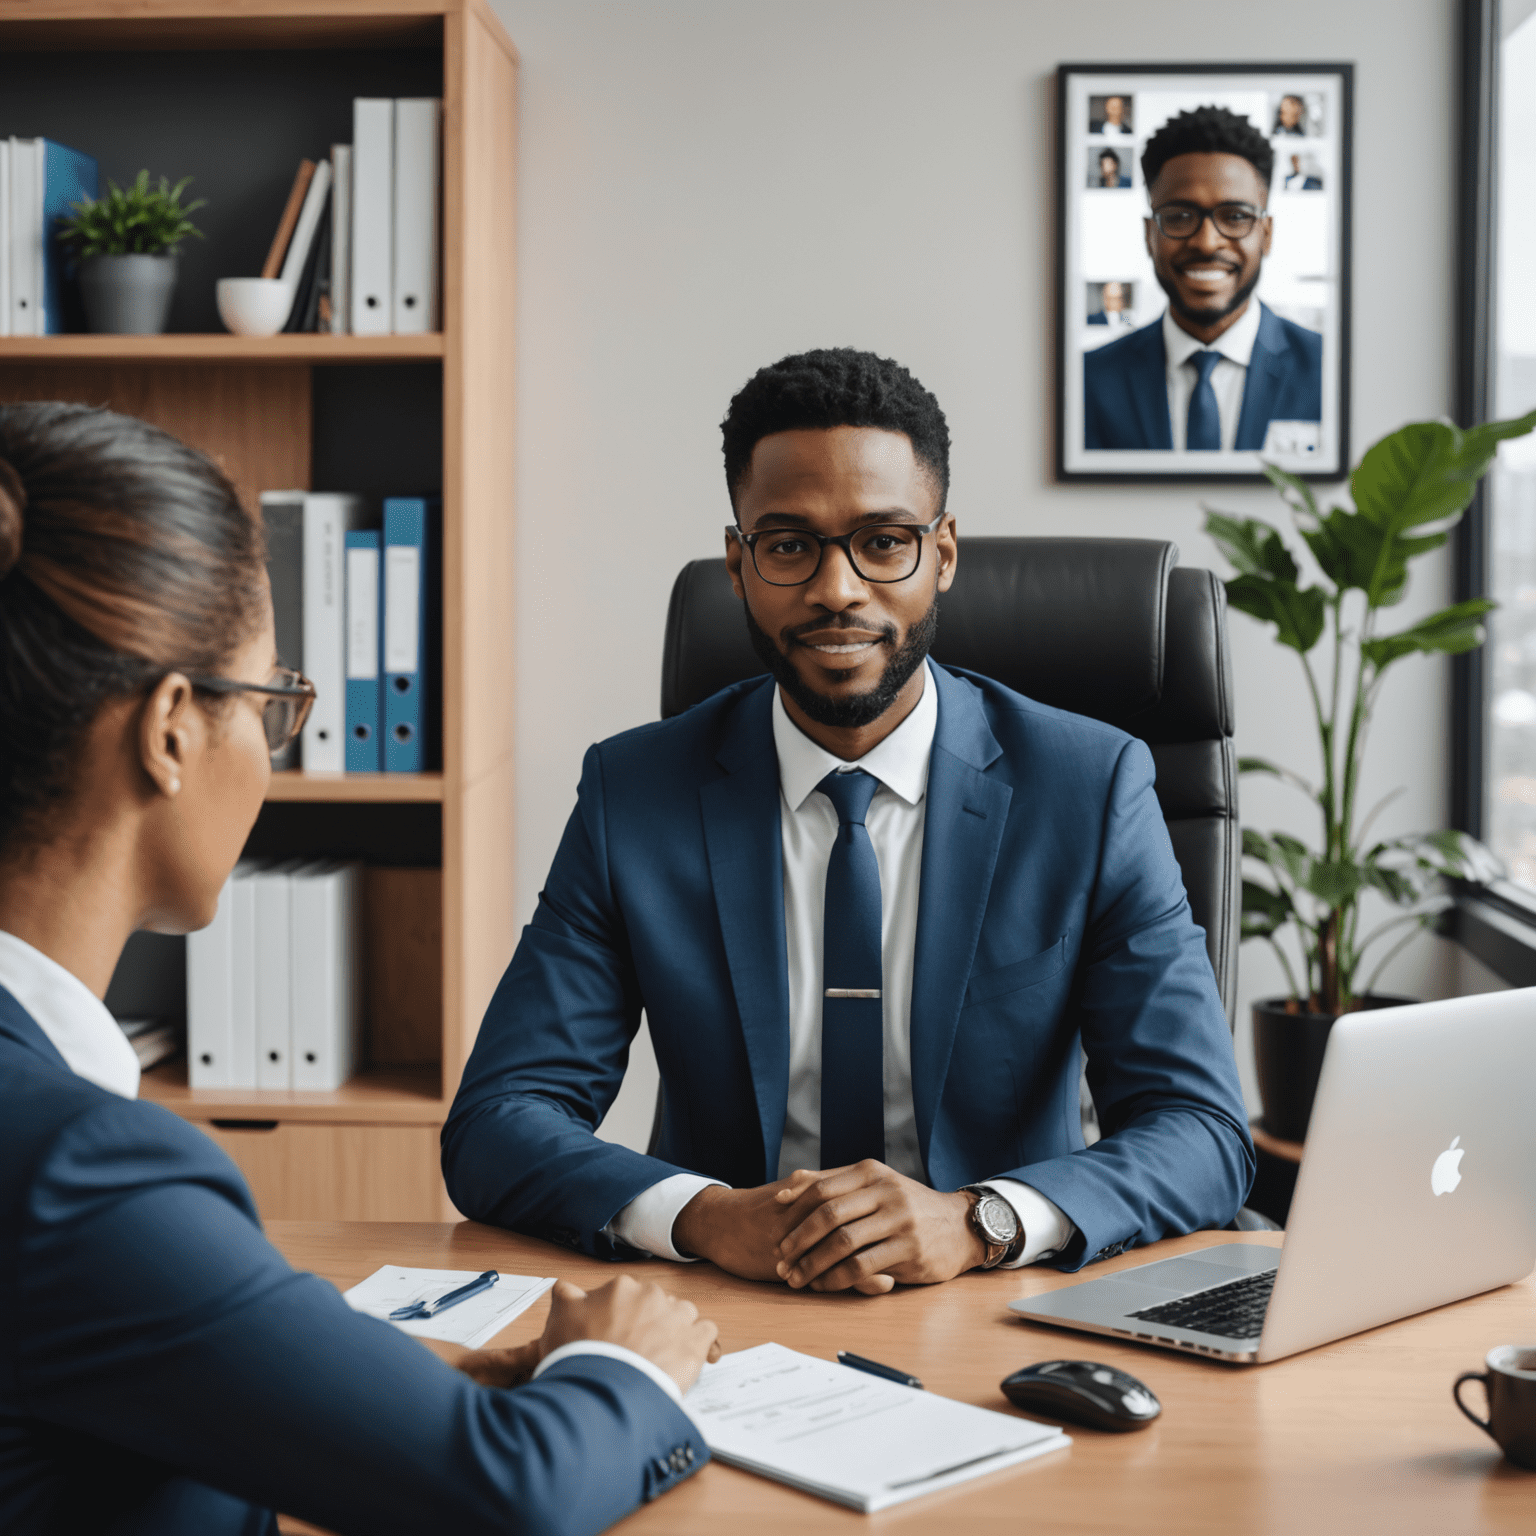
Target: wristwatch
996, 1223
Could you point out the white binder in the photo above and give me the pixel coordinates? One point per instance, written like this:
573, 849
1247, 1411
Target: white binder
327, 519
5, 237
274, 1022
418, 156
210, 1000
26, 242
373, 198
326, 986
341, 239
243, 962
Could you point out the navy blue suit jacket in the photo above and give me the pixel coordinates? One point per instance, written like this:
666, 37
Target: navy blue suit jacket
1125, 386
163, 1372
1051, 911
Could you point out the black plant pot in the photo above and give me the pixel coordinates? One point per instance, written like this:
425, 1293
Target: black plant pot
1288, 1058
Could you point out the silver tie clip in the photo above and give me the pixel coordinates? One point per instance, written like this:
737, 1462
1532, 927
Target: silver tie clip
852, 992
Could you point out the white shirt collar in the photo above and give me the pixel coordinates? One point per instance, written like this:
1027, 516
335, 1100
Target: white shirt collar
1235, 343
71, 1015
900, 762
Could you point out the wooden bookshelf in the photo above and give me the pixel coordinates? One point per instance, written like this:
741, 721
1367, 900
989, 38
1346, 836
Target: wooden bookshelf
368, 788
220, 349
267, 409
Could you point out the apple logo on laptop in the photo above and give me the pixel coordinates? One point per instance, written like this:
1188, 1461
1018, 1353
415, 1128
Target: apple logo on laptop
1446, 1174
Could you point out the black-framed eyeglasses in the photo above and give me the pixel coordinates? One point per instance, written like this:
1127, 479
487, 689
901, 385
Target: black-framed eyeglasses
1181, 221
291, 696
880, 552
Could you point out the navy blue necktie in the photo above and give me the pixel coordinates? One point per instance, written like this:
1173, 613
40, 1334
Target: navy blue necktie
852, 1027
1204, 430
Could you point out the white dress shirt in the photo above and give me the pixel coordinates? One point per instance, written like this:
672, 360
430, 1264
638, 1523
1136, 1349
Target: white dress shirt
895, 823
1228, 377
71, 1015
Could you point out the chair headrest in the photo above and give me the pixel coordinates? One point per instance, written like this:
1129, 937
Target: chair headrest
1103, 627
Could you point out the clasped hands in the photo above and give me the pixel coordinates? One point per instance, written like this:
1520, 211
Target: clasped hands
863, 1228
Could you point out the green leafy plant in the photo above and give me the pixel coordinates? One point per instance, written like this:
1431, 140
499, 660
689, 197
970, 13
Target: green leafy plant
134, 220
1409, 491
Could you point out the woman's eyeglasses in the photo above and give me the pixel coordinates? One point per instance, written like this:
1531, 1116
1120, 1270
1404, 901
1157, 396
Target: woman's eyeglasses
290, 697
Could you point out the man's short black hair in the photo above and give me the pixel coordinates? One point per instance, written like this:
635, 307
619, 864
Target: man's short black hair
834, 387
1207, 131
1109, 154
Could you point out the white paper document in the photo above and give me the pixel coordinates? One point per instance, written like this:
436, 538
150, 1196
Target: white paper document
849, 1436
471, 1322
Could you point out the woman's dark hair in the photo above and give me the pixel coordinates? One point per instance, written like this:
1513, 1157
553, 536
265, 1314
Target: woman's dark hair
834, 387
1207, 131
124, 555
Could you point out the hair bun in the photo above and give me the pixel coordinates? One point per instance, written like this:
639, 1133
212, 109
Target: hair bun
13, 506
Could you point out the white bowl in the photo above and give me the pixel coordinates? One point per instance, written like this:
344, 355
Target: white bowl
254, 306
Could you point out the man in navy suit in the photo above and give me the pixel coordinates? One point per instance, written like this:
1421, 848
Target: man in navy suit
871, 908
1109, 170
1219, 366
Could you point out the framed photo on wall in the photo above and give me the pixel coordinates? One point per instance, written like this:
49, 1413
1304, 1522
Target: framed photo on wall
1202, 270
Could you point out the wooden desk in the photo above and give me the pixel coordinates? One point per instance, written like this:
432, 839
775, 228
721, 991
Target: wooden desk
1360, 1437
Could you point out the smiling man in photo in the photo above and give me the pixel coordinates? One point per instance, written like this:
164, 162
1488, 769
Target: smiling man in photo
1219, 366
874, 910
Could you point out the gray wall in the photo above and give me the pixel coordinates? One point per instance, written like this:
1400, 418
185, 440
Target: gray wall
707, 185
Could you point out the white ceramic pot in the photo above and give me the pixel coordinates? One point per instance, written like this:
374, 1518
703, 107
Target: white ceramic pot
254, 306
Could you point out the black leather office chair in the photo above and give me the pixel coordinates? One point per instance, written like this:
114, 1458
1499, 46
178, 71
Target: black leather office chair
1110, 628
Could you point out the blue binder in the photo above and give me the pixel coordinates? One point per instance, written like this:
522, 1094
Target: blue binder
407, 630
69, 176
364, 743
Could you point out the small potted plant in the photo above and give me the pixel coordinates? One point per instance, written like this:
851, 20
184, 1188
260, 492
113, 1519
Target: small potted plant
1408, 491
126, 244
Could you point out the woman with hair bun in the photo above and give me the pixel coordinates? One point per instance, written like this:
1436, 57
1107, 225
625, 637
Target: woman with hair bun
162, 1369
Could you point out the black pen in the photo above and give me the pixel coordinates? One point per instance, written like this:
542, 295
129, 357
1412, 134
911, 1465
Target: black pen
874, 1368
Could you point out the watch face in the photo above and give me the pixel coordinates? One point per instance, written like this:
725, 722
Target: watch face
997, 1219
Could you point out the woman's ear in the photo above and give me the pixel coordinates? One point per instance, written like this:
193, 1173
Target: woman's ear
171, 730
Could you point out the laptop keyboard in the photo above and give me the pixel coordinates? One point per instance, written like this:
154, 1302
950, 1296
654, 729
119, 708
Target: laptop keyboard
1231, 1311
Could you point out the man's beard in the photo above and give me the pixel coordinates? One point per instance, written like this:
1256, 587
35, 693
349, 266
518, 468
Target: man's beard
1207, 316
859, 709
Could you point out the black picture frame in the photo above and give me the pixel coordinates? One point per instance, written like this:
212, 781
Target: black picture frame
1096, 246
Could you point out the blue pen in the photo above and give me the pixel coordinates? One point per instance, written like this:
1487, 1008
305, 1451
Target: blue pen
874, 1368
419, 1310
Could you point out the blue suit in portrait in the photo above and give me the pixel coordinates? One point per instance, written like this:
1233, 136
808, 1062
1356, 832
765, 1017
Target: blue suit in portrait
1051, 912
163, 1372
1125, 386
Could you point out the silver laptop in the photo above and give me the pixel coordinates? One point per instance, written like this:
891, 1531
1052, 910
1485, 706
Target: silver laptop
1418, 1188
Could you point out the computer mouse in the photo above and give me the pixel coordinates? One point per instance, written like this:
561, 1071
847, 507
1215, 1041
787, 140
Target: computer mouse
1084, 1392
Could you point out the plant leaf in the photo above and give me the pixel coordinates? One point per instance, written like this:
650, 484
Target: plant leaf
1297, 613
1427, 471
1264, 911
1449, 632
1253, 547
1300, 497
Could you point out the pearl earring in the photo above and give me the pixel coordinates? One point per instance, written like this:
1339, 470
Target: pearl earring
175, 786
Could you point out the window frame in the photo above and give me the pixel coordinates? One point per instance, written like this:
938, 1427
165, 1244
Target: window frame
1495, 922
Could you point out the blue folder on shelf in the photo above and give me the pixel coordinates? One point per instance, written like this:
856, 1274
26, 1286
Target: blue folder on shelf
408, 530
69, 176
364, 745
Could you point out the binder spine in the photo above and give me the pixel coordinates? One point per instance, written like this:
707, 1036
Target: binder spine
418, 138
363, 754
406, 550
244, 958
325, 990
274, 1005
373, 195
210, 1000
327, 519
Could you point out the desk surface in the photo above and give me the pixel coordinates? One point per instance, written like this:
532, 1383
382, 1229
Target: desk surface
1360, 1436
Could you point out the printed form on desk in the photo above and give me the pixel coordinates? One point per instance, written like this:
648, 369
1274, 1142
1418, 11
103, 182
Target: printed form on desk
472, 1322
848, 1436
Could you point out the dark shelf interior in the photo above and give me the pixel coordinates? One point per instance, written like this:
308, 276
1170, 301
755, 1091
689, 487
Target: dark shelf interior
238, 122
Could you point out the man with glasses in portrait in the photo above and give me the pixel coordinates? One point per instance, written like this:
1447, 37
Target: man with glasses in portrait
1219, 366
874, 910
